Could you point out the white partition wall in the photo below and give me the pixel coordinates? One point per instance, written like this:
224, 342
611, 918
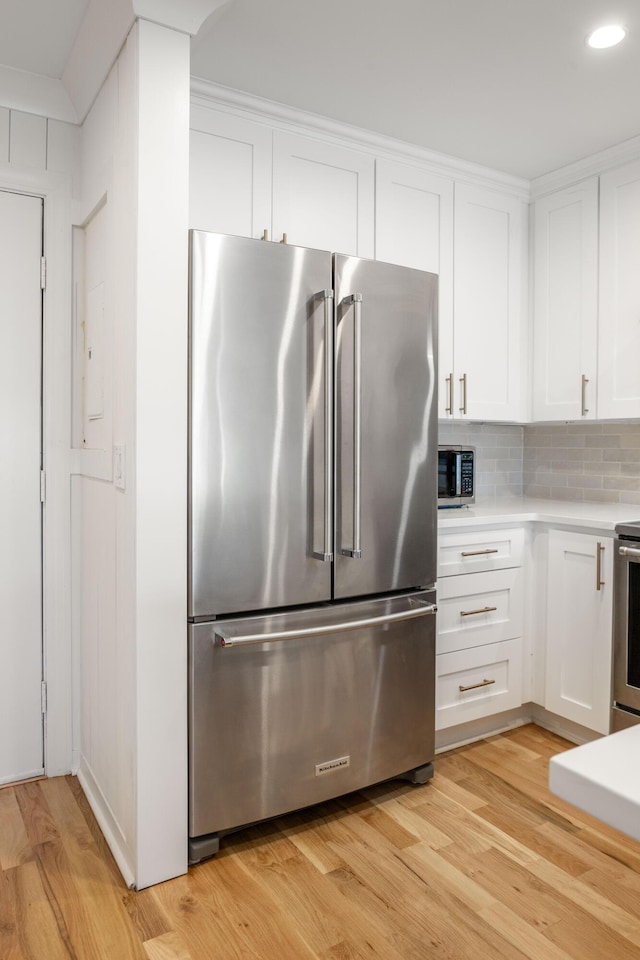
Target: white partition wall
130, 522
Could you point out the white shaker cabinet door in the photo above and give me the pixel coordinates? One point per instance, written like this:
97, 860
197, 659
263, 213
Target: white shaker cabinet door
414, 228
579, 615
566, 303
619, 326
230, 174
489, 304
323, 195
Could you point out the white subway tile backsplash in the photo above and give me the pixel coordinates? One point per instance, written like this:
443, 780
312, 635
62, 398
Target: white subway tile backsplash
568, 461
583, 461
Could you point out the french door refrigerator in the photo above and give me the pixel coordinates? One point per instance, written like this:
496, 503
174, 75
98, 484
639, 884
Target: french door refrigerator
312, 529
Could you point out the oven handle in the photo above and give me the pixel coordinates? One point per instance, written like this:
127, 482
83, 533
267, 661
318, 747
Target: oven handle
632, 553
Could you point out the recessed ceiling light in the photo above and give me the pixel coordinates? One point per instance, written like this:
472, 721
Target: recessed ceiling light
606, 36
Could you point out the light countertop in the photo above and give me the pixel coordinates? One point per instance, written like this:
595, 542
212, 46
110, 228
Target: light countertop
603, 779
592, 516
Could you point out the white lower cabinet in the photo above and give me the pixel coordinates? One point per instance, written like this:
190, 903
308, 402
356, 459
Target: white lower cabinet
579, 628
478, 682
491, 641
479, 662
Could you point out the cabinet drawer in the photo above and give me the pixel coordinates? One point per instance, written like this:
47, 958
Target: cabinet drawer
476, 683
479, 608
479, 550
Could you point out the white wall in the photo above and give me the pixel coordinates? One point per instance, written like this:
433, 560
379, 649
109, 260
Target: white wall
103, 515
130, 543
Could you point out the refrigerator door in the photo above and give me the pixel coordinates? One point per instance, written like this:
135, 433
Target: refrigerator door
292, 709
386, 427
261, 383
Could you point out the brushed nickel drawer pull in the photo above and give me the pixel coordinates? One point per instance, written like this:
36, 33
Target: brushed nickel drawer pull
471, 613
474, 686
477, 553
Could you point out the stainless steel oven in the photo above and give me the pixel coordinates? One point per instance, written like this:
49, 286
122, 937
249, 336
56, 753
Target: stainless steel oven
626, 627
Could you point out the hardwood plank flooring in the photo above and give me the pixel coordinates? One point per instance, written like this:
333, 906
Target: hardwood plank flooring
482, 862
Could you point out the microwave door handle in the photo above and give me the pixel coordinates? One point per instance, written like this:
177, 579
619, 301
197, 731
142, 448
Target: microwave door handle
458, 459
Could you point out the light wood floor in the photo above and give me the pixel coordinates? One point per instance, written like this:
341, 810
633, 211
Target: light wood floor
483, 862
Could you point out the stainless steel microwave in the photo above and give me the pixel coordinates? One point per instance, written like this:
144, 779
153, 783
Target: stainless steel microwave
456, 476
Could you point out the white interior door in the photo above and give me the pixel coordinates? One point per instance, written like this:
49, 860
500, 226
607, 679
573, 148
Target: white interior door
21, 727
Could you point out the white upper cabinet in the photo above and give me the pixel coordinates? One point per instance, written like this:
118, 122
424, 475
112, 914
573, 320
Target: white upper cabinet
247, 178
414, 228
322, 195
488, 372
565, 326
619, 327
230, 174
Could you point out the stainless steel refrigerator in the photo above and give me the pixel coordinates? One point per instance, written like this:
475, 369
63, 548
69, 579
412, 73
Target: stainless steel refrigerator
312, 529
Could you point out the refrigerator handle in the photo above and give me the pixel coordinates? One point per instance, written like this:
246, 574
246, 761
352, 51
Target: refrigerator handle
327, 555
415, 609
356, 300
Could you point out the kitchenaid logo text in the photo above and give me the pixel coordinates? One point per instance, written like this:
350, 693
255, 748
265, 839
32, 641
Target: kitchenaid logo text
332, 765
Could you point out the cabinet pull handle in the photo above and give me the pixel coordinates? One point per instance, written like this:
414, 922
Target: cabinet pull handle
449, 380
585, 408
471, 613
284, 238
474, 686
477, 553
599, 580
265, 234
463, 381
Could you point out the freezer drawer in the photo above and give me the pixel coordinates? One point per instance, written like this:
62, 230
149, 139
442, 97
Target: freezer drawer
292, 709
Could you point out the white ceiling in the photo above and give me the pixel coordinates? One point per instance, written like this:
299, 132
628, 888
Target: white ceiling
506, 83
37, 35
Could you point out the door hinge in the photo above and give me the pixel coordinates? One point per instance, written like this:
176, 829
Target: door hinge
43, 486
43, 696
43, 273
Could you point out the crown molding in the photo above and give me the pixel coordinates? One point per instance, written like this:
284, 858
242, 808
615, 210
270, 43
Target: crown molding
281, 116
103, 31
591, 166
33, 93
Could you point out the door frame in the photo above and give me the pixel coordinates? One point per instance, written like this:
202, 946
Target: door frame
59, 720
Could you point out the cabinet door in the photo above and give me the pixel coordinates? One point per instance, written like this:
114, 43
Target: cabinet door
489, 258
566, 303
230, 174
414, 228
322, 195
619, 329
579, 612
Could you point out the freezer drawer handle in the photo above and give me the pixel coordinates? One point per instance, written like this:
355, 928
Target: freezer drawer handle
327, 554
474, 686
471, 613
356, 299
417, 610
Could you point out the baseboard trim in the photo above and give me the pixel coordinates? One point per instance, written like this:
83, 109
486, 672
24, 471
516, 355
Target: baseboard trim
466, 733
107, 823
